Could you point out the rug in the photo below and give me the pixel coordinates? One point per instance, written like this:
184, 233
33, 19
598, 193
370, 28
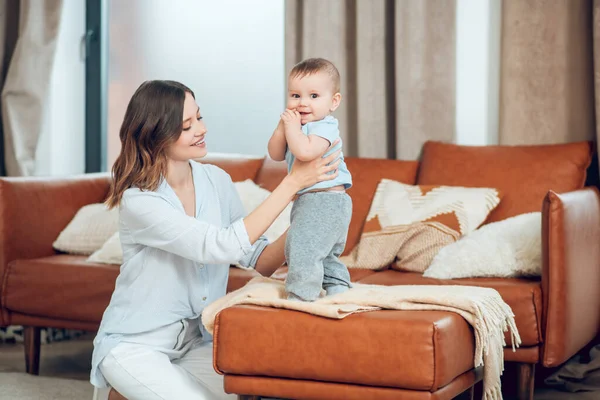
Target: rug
17, 385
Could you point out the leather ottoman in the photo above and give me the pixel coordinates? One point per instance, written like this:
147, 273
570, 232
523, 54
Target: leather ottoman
375, 355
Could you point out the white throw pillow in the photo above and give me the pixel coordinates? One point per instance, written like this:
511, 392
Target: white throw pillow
88, 230
507, 248
252, 196
110, 253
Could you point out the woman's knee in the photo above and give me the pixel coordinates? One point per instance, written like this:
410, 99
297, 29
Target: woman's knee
125, 380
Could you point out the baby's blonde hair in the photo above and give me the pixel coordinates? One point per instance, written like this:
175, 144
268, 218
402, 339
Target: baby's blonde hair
313, 65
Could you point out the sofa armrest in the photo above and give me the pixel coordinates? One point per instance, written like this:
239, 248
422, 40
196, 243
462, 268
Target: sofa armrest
570, 273
33, 211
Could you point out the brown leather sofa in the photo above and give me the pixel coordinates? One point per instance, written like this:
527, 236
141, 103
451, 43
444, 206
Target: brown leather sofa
556, 315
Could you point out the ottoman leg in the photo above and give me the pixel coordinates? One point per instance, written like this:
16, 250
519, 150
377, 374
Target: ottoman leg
244, 397
526, 381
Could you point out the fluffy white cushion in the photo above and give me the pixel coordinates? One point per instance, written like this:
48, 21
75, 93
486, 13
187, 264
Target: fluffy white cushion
508, 248
251, 195
88, 230
110, 253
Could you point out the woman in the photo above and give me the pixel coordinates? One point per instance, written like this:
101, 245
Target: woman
181, 225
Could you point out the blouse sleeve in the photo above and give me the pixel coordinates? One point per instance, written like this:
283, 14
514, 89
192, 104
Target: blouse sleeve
236, 210
153, 221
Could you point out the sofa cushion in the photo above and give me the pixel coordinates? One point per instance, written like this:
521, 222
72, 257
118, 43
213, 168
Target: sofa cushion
373, 346
523, 174
60, 286
71, 287
90, 228
524, 296
408, 225
238, 277
510, 248
355, 274
111, 252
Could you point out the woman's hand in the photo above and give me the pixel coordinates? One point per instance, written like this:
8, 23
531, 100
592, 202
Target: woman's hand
307, 173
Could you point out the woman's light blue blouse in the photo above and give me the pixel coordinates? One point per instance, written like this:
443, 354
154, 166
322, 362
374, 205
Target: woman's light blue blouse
173, 265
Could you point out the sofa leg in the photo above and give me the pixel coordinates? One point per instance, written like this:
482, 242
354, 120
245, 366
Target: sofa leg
32, 338
526, 381
476, 391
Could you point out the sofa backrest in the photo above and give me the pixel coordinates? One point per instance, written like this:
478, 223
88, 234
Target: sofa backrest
33, 211
45, 206
522, 174
239, 168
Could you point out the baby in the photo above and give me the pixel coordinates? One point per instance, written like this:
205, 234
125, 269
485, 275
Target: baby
321, 213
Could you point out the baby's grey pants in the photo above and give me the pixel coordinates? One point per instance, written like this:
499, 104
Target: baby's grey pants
315, 240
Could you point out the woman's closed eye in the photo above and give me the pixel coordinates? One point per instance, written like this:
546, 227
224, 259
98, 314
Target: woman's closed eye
187, 128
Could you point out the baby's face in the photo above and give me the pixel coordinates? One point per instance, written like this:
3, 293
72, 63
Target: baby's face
312, 96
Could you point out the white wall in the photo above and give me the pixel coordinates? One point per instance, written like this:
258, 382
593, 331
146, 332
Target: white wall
478, 27
61, 146
229, 52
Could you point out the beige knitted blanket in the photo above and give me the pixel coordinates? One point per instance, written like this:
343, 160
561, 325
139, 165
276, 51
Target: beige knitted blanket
483, 308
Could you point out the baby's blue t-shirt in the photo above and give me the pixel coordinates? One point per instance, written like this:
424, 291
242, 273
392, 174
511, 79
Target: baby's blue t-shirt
327, 128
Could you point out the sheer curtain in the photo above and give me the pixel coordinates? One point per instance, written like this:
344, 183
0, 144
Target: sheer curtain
28, 47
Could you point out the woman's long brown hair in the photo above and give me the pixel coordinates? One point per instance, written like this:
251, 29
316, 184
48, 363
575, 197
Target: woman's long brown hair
152, 122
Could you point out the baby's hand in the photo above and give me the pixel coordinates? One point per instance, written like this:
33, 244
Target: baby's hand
291, 118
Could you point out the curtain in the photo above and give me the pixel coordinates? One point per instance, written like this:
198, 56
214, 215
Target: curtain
28, 43
397, 64
547, 79
550, 93
596, 65
9, 17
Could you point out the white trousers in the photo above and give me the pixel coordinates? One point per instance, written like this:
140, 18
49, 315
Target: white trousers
172, 362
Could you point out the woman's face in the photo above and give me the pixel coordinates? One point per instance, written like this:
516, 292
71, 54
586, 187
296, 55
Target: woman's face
191, 142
